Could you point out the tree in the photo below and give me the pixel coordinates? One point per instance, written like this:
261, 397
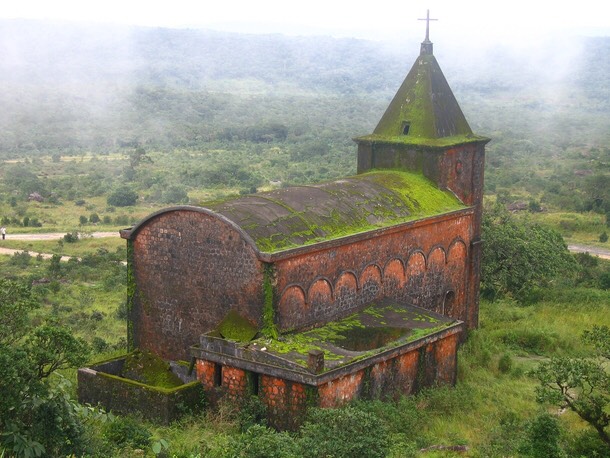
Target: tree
581, 384
138, 156
35, 417
175, 195
518, 255
123, 196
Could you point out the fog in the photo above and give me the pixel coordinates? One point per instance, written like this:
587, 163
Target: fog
82, 77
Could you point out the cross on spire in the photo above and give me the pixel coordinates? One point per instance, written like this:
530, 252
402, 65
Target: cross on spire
427, 19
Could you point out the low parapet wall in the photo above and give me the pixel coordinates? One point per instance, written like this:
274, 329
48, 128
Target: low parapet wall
237, 374
102, 386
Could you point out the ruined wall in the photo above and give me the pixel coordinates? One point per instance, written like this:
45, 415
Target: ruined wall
190, 269
425, 265
429, 365
124, 396
432, 363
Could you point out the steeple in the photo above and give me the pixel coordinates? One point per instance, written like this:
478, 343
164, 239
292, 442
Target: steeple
424, 110
426, 46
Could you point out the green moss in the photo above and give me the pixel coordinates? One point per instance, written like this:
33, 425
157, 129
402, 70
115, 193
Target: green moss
335, 337
400, 197
269, 328
425, 101
149, 369
422, 141
131, 292
171, 390
417, 192
236, 327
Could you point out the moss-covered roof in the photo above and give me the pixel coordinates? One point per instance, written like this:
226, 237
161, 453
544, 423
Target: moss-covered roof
379, 326
302, 215
426, 107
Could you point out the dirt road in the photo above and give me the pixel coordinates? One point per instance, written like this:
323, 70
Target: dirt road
593, 251
47, 236
57, 235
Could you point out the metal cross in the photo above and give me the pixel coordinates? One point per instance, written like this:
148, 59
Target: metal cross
427, 19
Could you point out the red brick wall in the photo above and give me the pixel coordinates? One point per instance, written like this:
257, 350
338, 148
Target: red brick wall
235, 382
342, 390
418, 265
206, 373
191, 268
433, 364
286, 401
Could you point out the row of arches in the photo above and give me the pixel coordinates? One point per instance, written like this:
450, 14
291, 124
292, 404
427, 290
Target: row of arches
420, 279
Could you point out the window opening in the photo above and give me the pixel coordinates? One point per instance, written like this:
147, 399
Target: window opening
217, 374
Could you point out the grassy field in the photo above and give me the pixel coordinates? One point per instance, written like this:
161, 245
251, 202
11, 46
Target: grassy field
580, 228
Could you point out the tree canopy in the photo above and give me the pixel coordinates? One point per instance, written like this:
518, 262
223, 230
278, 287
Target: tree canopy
36, 417
519, 256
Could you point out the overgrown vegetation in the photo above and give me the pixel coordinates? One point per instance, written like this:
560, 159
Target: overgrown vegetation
36, 416
519, 257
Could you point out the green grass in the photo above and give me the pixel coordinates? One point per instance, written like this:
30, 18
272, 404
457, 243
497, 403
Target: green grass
86, 245
579, 228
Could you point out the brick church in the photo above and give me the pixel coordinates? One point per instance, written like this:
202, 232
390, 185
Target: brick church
361, 287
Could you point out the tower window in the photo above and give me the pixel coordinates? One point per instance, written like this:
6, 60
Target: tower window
405, 127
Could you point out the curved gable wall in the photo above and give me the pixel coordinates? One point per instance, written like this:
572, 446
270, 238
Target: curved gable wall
190, 267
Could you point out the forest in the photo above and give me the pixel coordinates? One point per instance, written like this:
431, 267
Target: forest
101, 126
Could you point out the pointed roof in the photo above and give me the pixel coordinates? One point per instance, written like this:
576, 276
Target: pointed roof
424, 110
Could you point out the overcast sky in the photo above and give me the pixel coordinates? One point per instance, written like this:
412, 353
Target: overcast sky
379, 19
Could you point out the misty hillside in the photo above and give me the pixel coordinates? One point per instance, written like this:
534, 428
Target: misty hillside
75, 87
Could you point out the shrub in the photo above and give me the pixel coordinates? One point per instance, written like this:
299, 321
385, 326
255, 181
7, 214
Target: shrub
543, 437
531, 340
343, 433
586, 444
603, 237
20, 259
121, 220
94, 218
580, 384
122, 197
54, 268
252, 411
99, 345
175, 195
121, 312
604, 280
260, 441
505, 363
71, 237
125, 431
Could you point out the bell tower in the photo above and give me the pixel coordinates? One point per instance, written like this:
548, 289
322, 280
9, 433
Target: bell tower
423, 130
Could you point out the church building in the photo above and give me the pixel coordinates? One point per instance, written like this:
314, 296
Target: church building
361, 287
